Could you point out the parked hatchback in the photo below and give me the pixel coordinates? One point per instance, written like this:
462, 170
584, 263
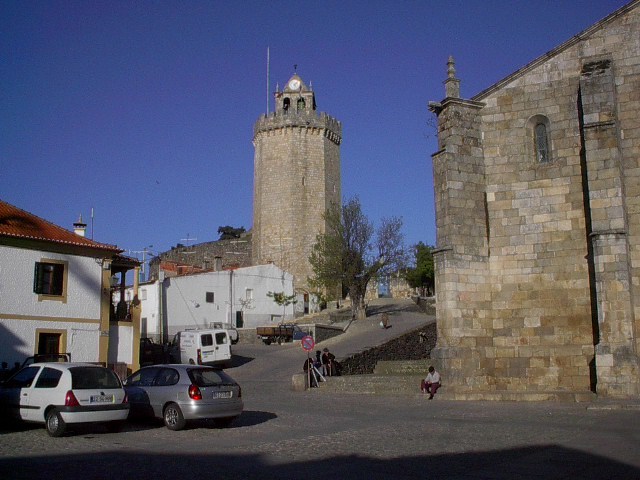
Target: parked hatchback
58, 394
177, 393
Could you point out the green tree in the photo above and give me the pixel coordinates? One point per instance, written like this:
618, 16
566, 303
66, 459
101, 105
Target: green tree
423, 275
227, 232
283, 300
352, 252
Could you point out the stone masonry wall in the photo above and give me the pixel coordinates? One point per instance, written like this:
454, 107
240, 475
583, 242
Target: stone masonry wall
297, 177
234, 253
562, 259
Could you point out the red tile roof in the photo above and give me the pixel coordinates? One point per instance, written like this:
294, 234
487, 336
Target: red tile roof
17, 223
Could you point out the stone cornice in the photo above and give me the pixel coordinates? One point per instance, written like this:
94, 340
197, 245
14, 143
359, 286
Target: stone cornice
602, 233
437, 107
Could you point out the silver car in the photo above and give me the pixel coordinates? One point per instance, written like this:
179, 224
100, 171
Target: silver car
177, 393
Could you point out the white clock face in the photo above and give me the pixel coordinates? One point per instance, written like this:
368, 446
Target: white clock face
294, 84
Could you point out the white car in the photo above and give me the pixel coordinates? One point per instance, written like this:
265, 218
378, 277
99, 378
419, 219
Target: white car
58, 394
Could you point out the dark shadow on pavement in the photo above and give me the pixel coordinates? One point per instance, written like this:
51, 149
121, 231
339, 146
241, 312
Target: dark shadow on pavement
544, 461
238, 360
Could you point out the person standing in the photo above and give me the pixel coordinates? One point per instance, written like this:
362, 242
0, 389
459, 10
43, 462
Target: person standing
328, 359
431, 383
308, 366
318, 361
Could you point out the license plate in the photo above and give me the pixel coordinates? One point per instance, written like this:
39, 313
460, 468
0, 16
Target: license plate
102, 399
222, 394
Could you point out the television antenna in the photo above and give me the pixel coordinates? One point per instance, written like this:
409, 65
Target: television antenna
187, 240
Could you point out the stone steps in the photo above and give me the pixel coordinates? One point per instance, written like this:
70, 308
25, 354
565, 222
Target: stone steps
409, 385
403, 367
402, 378
372, 384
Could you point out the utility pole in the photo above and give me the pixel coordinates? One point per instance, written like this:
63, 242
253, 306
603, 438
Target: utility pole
144, 260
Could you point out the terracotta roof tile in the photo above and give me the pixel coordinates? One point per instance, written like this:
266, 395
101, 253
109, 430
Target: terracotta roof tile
17, 223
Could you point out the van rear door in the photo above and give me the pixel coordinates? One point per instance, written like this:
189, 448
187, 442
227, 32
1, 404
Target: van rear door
215, 347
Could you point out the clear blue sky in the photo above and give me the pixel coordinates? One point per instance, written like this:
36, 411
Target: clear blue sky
145, 110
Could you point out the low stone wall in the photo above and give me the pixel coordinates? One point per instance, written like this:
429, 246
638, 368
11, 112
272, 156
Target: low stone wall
426, 304
414, 345
325, 332
247, 336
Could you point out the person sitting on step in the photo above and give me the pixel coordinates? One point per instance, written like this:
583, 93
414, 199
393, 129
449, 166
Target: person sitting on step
431, 383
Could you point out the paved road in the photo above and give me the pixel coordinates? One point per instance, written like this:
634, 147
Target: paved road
277, 363
284, 434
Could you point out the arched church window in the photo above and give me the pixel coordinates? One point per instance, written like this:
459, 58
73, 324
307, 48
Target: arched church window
539, 145
300, 105
541, 141
285, 104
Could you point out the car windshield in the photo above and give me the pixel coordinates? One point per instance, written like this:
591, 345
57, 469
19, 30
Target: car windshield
85, 378
207, 377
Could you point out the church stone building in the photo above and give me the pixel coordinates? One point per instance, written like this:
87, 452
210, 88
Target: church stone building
537, 189
296, 179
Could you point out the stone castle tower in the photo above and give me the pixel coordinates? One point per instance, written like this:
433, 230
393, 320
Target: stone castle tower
296, 178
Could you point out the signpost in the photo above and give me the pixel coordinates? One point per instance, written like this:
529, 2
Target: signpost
307, 343
313, 373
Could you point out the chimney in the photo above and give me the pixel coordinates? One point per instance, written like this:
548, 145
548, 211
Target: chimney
79, 227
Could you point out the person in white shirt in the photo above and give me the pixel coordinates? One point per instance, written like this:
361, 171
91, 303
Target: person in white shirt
431, 383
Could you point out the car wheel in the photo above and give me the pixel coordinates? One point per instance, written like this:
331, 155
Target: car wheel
55, 424
223, 422
173, 418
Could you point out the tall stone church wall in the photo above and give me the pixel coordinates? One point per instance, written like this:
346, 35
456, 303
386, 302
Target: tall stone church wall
538, 260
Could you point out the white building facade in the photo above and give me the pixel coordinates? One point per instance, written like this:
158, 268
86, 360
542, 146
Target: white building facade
52, 294
237, 297
28, 318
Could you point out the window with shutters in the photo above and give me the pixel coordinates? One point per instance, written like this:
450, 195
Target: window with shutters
50, 280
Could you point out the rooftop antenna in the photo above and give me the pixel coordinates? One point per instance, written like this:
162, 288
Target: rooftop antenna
267, 80
144, 252
188, 239
91, 223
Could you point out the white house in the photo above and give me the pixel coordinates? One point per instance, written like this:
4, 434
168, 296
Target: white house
55, 294
237, 297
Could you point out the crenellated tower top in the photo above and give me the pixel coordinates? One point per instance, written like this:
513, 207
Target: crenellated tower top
295, 106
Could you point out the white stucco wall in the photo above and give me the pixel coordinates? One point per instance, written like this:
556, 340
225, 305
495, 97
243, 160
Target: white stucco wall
16, 285
21, 313
150, 316
120, 344
17, 339
263, 279
185, 306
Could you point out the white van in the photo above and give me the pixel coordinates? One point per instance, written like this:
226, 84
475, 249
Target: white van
201, 347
